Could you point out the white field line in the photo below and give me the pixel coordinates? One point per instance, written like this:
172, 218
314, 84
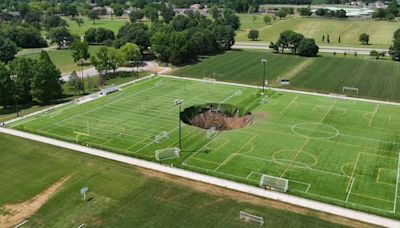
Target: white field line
284, 90
336, 210
351, 186
90, 97
397, 185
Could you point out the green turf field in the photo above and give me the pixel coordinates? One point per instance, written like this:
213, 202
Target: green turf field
104, 22
61, 58
381, 32
121, 195
378, 79
342, 152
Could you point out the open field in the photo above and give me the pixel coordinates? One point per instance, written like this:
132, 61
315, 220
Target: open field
125, 196
380, 32
61, 58
375, 78
342, 152
104, 22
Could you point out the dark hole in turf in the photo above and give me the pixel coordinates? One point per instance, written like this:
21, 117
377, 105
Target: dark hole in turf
220, 116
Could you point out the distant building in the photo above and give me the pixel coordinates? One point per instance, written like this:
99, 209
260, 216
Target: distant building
377, 5
195, 7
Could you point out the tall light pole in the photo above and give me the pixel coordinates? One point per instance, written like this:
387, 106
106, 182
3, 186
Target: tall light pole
14, 78
264, 61
178, 102
82, 61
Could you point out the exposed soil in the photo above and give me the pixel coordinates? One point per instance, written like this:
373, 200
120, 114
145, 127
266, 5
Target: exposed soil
243, 197
17, 213
220, 117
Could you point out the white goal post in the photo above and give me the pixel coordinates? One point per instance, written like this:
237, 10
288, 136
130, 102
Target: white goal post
346, 88
274, 183
161, 137
251, 218
211, 132
167, 153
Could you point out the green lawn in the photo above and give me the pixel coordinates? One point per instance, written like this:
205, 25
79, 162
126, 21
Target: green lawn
381, 32
247, 21
377, 79
61, 58
241, 66
122, 195
336, 151
105, 22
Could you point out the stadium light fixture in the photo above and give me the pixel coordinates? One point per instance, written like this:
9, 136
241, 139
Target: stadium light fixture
264, 62
14, 79
178, 102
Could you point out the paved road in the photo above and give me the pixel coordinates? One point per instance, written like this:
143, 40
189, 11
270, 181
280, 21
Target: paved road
147, 65
326, 49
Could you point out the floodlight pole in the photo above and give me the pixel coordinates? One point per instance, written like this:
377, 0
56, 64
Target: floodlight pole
264, 61
82, 61
14, 78
178, 102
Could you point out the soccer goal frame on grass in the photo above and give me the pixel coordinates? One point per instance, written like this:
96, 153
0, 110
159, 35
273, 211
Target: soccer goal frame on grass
251, 218
274, 183
167, 153
347, 88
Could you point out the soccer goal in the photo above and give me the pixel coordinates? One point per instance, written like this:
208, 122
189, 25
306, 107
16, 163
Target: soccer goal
338, 96
211, 132
167, 153
161, 137
350, 89
238, 93
251, 218
274, 183
263, 100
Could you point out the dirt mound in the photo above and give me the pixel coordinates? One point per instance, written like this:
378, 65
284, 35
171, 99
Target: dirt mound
221, 117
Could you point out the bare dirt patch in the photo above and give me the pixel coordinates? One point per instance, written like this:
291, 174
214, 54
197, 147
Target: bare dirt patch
222, 117
17, 213
239, 196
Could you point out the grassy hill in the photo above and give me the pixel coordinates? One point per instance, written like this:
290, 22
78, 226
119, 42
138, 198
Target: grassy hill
381, 32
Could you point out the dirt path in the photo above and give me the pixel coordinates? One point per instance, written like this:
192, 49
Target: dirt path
293, 72
211, 189
17, 213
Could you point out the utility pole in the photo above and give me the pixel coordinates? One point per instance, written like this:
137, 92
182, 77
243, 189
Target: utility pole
14, 78
264, 61
178, 102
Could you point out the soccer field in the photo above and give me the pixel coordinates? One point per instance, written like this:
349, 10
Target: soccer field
337, 151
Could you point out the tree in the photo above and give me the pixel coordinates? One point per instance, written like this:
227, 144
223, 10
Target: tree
100, 62
151, 13
214, 11
224, 37
267, 19
80, 51
115, 59
308, 48
380, 13
118, 9
364, 38
103, 34
79, 21
54, 21
168, 14
74, 82
253, 34
340, 13
6, 86
23, 68
136, 15
93, 15
393, 8
282, 13
130, 53
294, 41
394, 49
8, 49
61, 36
305, 11
46, 80
231, 19
321, 12
339, 40
136, 33
90, 35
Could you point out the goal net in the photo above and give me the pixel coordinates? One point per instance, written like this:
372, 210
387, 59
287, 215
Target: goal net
274, 183
211, 132
337, 96
238, 93
161, 137
350, 90
251, 218
167, 153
